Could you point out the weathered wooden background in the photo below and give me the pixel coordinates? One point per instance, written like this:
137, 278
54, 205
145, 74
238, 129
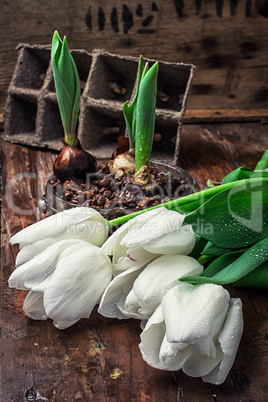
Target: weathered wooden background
226, 40
99, 359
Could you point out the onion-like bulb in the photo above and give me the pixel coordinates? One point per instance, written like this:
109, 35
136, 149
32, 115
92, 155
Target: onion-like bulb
73, 162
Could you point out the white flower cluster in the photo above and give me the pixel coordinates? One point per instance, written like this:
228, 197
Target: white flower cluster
62, 266
70, 267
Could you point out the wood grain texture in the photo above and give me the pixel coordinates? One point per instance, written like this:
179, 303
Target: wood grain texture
98, 359
227, 41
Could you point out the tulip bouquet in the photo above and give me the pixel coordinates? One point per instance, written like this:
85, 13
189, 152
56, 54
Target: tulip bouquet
152, 269
165, 266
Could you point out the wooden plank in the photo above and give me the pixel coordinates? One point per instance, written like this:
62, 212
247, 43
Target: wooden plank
98, 359
225, 116
227, 41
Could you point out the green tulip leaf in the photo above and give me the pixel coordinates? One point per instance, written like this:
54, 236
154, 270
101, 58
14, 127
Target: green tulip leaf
145, 70
145, 116
215, 251
221, 263
76, 100
263, 162
67, 85
243, 173
130, 111
238, 265
256, 279
236, 217
65, 68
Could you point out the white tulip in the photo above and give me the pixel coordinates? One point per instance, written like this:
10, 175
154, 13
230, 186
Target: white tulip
66, 281
158, 231
137, 291
149, 256
115, 245
77, 223
196, 329
147, 236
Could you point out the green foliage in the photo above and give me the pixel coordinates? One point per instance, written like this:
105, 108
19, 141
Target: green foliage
234, 218
67, 86
231, 226
263, 162
140, 115
231, 267
258, 278
243, 173
215, 251
130, 111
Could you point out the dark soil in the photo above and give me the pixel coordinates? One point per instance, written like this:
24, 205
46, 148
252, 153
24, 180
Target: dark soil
115, 197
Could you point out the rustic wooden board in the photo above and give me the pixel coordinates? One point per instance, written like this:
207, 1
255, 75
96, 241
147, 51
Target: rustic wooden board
225, 116
226, 40
98, 359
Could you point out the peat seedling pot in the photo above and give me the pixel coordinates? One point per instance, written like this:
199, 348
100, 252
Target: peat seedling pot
114, 197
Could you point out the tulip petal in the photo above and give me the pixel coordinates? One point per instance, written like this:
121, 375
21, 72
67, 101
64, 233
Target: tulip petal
34, 307
179, 241
77, 284
132, 300
229, 340
83, 223
132, 257
161, 275
41, 266
123, 264
151, 339
171, 359
139, 254
195, 309
64, 324
129, 306
198, 365
114, 245
117, 291
31, 250
144, 231
206, 346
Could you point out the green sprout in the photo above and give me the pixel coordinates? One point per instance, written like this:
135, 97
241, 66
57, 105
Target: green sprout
67, 85
140, 115
263, 162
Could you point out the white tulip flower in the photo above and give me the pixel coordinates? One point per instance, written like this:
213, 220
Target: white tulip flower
77, 223
147, 236
65, 281
196, 329
149, 255
136, 292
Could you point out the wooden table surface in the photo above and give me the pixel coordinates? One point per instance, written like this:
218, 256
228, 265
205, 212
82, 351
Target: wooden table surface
98, 359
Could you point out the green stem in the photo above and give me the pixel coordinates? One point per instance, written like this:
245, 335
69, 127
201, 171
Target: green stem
188, 203
204, 259
70, 138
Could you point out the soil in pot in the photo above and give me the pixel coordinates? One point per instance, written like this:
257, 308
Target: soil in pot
116, 196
